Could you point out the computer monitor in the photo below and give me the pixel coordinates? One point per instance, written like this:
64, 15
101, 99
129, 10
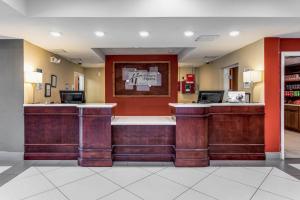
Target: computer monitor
72, 97
210, 96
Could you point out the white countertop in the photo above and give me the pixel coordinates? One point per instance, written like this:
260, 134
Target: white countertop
143, 120
86, 105
49, 105
97, 105
199, 105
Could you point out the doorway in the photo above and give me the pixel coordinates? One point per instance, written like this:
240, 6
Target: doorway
231, 77
290, 105
78, 81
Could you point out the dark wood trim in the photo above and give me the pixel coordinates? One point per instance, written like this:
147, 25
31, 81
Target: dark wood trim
191, 137
51, 156
95, 145
143, 142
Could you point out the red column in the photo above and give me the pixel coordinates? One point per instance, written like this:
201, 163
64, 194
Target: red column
272, 94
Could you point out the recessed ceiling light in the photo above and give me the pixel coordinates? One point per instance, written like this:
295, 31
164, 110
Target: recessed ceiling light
188, 33
144, 33
234, 33
99, 33
55, 34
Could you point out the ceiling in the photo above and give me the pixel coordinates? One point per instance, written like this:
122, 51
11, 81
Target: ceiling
166, 21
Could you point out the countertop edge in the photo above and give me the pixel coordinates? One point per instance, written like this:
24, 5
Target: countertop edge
107, 105
196, 105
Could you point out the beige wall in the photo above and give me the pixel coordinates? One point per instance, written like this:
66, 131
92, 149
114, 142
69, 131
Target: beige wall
36, 57
248, 57
95, 85
188, 98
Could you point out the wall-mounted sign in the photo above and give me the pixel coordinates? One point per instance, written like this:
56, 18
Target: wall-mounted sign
55, 60
141, 78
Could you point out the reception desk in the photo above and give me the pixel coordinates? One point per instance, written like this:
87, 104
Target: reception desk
193, 135
69, 132
222, 131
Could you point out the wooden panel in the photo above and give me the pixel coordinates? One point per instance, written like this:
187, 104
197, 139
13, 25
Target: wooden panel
191, 137
230, 132
236, 132
51, 133
143, 143
95, 137
291, 117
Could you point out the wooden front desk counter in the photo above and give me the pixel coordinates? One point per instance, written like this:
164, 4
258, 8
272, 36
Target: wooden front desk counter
195, 134
218, 132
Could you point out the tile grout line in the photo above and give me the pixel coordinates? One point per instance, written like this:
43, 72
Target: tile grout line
289, 179
191, 188
16, 175
275, 194
124, 187
54, 185
285, 177
57, 187
229, 179
269, 191
253, 170
121, 187
49, 170
38, 194
42, 173
93, 173
261, 183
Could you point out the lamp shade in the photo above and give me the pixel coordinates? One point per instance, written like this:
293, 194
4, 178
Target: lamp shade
33, 77
252, 76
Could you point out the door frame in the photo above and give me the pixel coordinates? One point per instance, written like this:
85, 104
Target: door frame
79, 74
226, 81
282, 71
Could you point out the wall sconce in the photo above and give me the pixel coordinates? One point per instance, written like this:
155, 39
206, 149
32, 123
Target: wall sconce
250, 77
34, 78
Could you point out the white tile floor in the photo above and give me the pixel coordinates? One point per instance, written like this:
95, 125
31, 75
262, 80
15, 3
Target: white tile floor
4, 168
297, 166
151, 183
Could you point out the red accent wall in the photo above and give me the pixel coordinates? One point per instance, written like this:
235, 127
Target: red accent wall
272, 94
141, 106
273, 48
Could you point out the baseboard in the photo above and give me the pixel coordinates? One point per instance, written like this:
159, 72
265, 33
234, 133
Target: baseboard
272, 155
5, 155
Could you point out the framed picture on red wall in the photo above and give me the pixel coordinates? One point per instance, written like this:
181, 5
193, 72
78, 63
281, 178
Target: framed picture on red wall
141, 79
